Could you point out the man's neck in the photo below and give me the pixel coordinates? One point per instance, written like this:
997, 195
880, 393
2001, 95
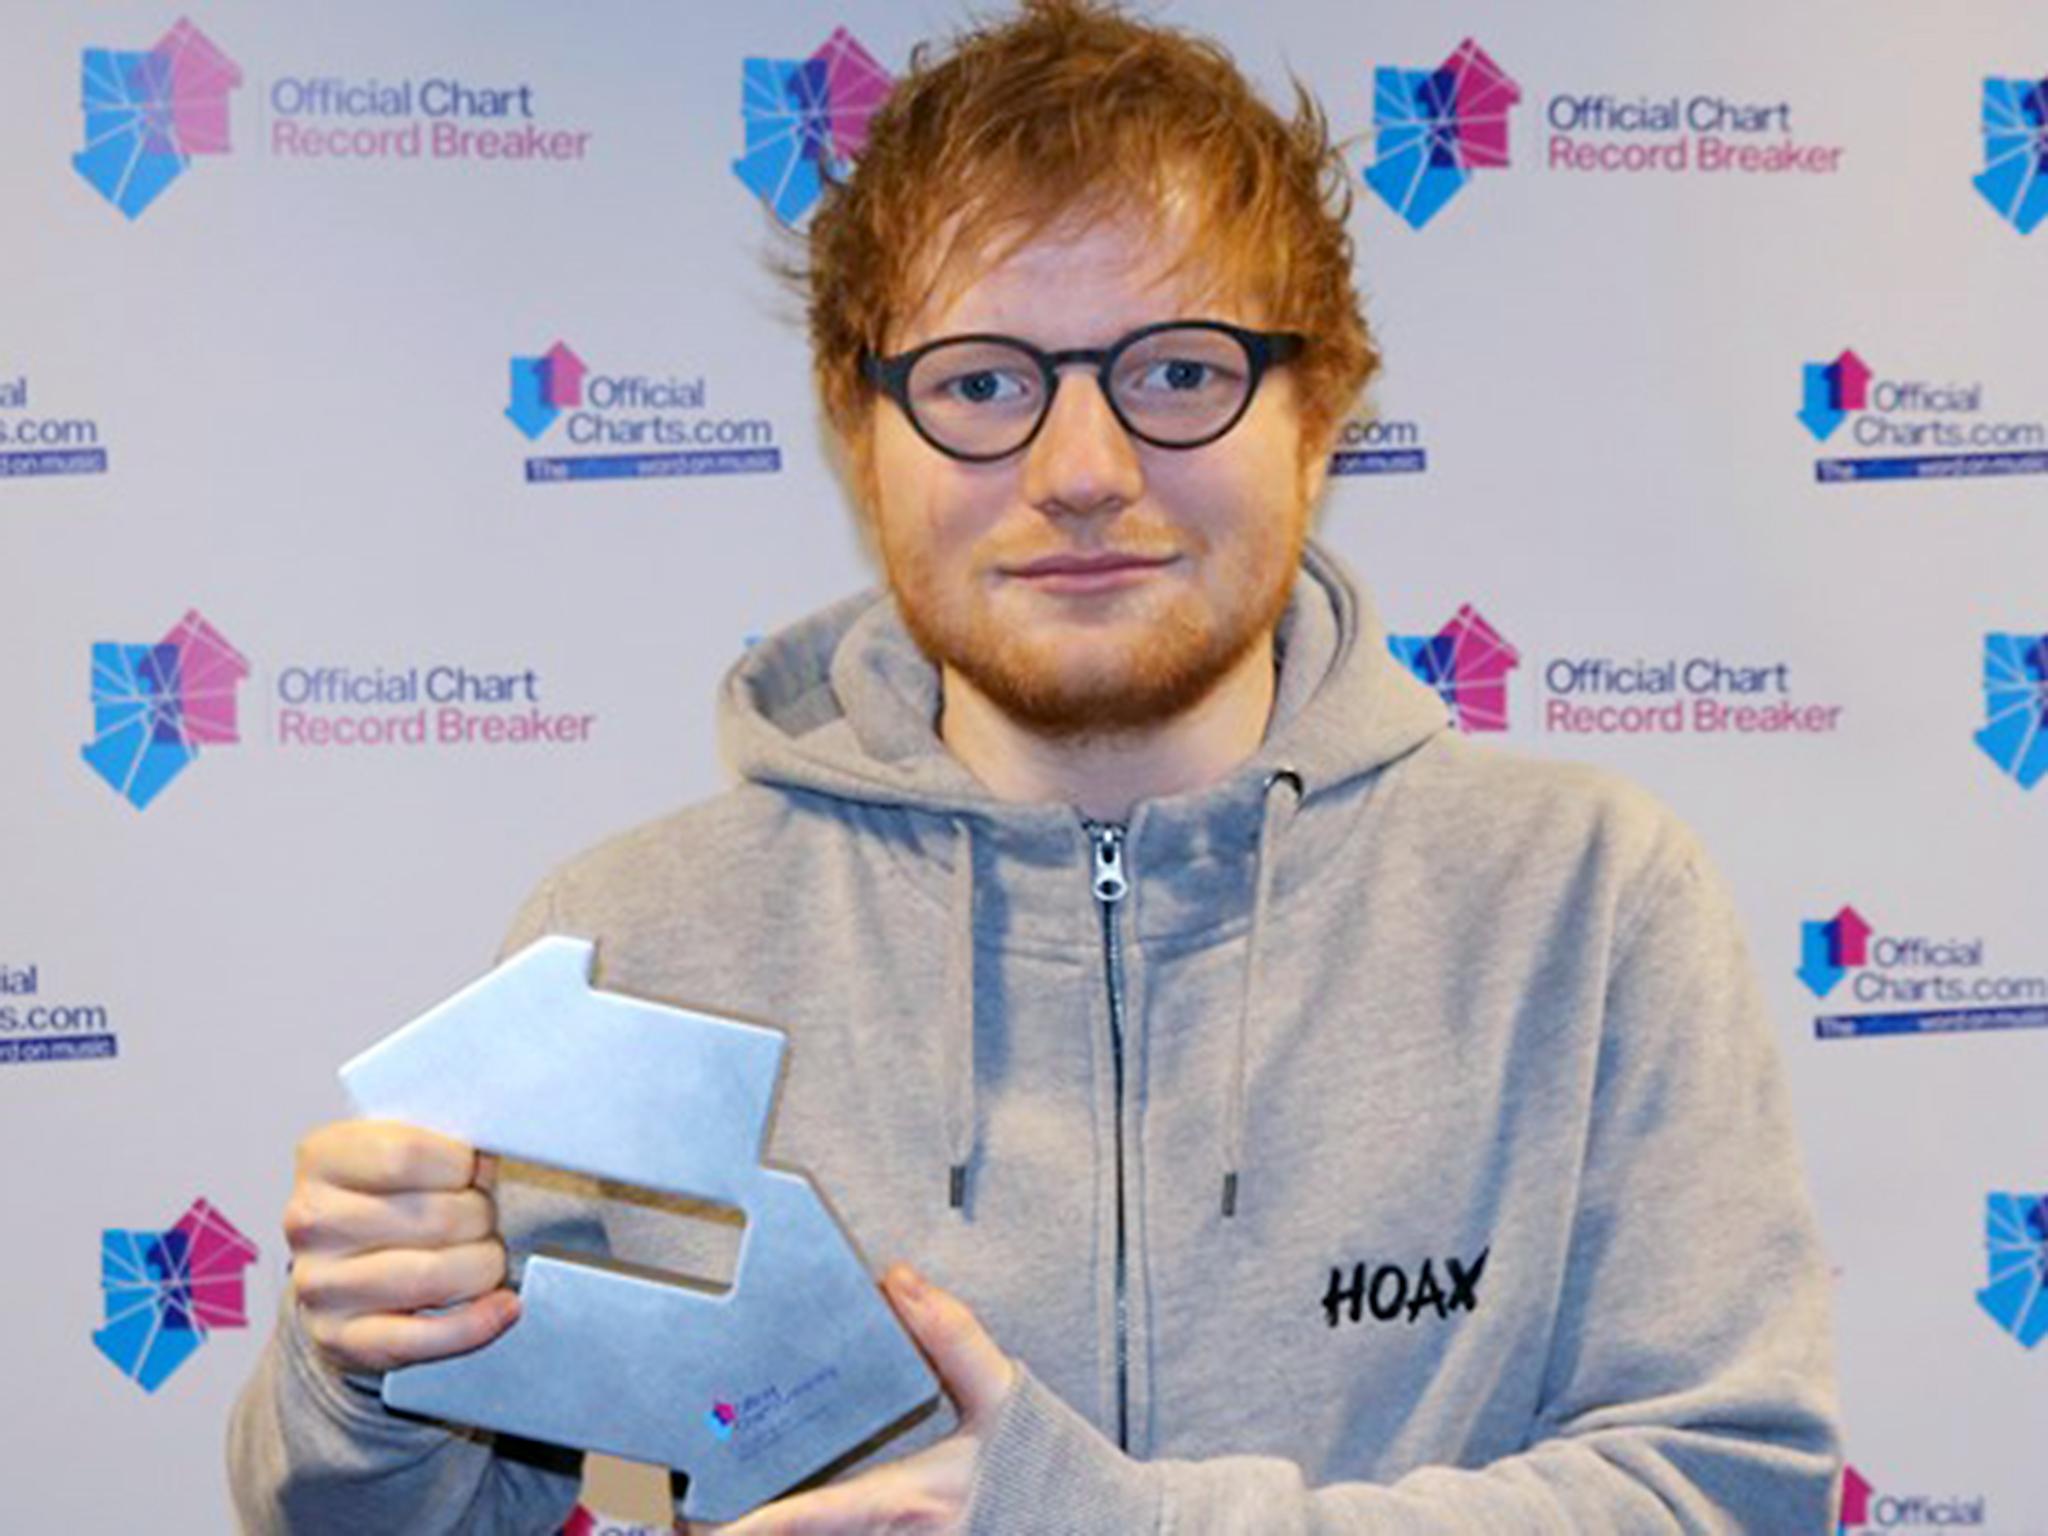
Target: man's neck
1104, 776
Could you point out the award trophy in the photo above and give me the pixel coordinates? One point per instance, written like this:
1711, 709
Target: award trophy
749, 1392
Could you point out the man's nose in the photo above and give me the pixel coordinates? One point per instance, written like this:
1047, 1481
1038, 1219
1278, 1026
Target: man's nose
1082, 460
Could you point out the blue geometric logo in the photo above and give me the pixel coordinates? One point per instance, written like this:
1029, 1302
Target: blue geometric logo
806, 120
155, 706
166, 1290
2014, 180
147, 114
1432, 128
2015, 735
2016, 1249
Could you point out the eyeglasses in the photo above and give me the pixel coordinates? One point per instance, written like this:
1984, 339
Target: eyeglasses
1177, 384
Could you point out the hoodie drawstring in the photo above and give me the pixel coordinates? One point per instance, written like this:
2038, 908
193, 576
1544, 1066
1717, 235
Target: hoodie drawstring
958, 1032
1274, 812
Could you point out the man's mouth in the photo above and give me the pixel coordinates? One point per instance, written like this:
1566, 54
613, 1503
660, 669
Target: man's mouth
1103, 571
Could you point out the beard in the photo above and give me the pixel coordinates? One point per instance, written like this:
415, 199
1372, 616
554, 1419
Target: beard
1126, 672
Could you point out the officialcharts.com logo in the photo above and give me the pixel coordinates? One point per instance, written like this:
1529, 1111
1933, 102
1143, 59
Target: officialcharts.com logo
661, 421
1432, 128
2016, 1252
148, 114
154, 706
2015, 734
1467, 663
2014, 180
1922, 985
805, 121
1920, 428
165, 1291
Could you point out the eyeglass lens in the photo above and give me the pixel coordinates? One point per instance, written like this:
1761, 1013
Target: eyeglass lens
985, 398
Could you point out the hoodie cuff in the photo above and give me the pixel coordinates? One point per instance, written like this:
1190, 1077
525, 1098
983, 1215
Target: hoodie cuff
353, 1402
1046, 1471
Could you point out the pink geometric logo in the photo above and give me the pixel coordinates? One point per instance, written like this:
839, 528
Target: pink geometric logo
1467, 662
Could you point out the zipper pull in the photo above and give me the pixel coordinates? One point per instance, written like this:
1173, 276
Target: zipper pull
1111, 883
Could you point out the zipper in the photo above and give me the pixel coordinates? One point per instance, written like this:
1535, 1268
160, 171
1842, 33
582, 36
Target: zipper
1111, 883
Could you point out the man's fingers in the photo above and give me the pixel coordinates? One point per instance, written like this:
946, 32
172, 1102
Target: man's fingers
384, 1157
328, 1219
398, 1279
383, 1341
924, 1492
975, 1372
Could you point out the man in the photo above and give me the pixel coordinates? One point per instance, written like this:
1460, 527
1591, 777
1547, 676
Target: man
1316, 1122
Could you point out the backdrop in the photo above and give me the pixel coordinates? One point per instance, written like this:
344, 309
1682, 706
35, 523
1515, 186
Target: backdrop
401, 431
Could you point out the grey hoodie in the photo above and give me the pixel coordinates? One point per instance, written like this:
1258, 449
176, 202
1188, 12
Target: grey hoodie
1400, 1148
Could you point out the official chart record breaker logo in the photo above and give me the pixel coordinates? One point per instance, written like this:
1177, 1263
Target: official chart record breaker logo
1698, 695
1922, 429
805, 121
149, 114
1432, 128
2016, 1252
1945, 984
1703, 133
407, 705
2014, 180
165, 1292
1378, 445
155, 706
1467, 663
1865, 1509
2015, 734
442, 117
661, 420
43, 444
33, 1029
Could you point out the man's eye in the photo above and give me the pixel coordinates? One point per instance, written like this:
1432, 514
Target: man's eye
1181, 375
985, 386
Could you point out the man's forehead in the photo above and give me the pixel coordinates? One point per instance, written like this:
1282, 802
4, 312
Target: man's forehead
1085, 270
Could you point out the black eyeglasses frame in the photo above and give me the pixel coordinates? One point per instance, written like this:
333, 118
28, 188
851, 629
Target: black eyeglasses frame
1263, 350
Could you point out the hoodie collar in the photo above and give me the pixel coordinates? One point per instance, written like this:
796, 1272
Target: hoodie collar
844, 704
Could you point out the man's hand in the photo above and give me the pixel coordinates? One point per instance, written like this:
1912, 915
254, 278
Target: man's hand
927, 1492
384, 1221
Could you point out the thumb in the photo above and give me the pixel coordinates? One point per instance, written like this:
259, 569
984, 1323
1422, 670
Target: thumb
975, 1372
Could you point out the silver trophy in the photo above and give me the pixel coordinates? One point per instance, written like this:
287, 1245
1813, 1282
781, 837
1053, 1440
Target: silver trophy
749, 1392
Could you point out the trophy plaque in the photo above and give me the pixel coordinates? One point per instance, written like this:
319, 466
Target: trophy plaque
749, 1392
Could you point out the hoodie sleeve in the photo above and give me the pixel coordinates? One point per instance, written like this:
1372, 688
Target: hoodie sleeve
1689, 1387
311, 1452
